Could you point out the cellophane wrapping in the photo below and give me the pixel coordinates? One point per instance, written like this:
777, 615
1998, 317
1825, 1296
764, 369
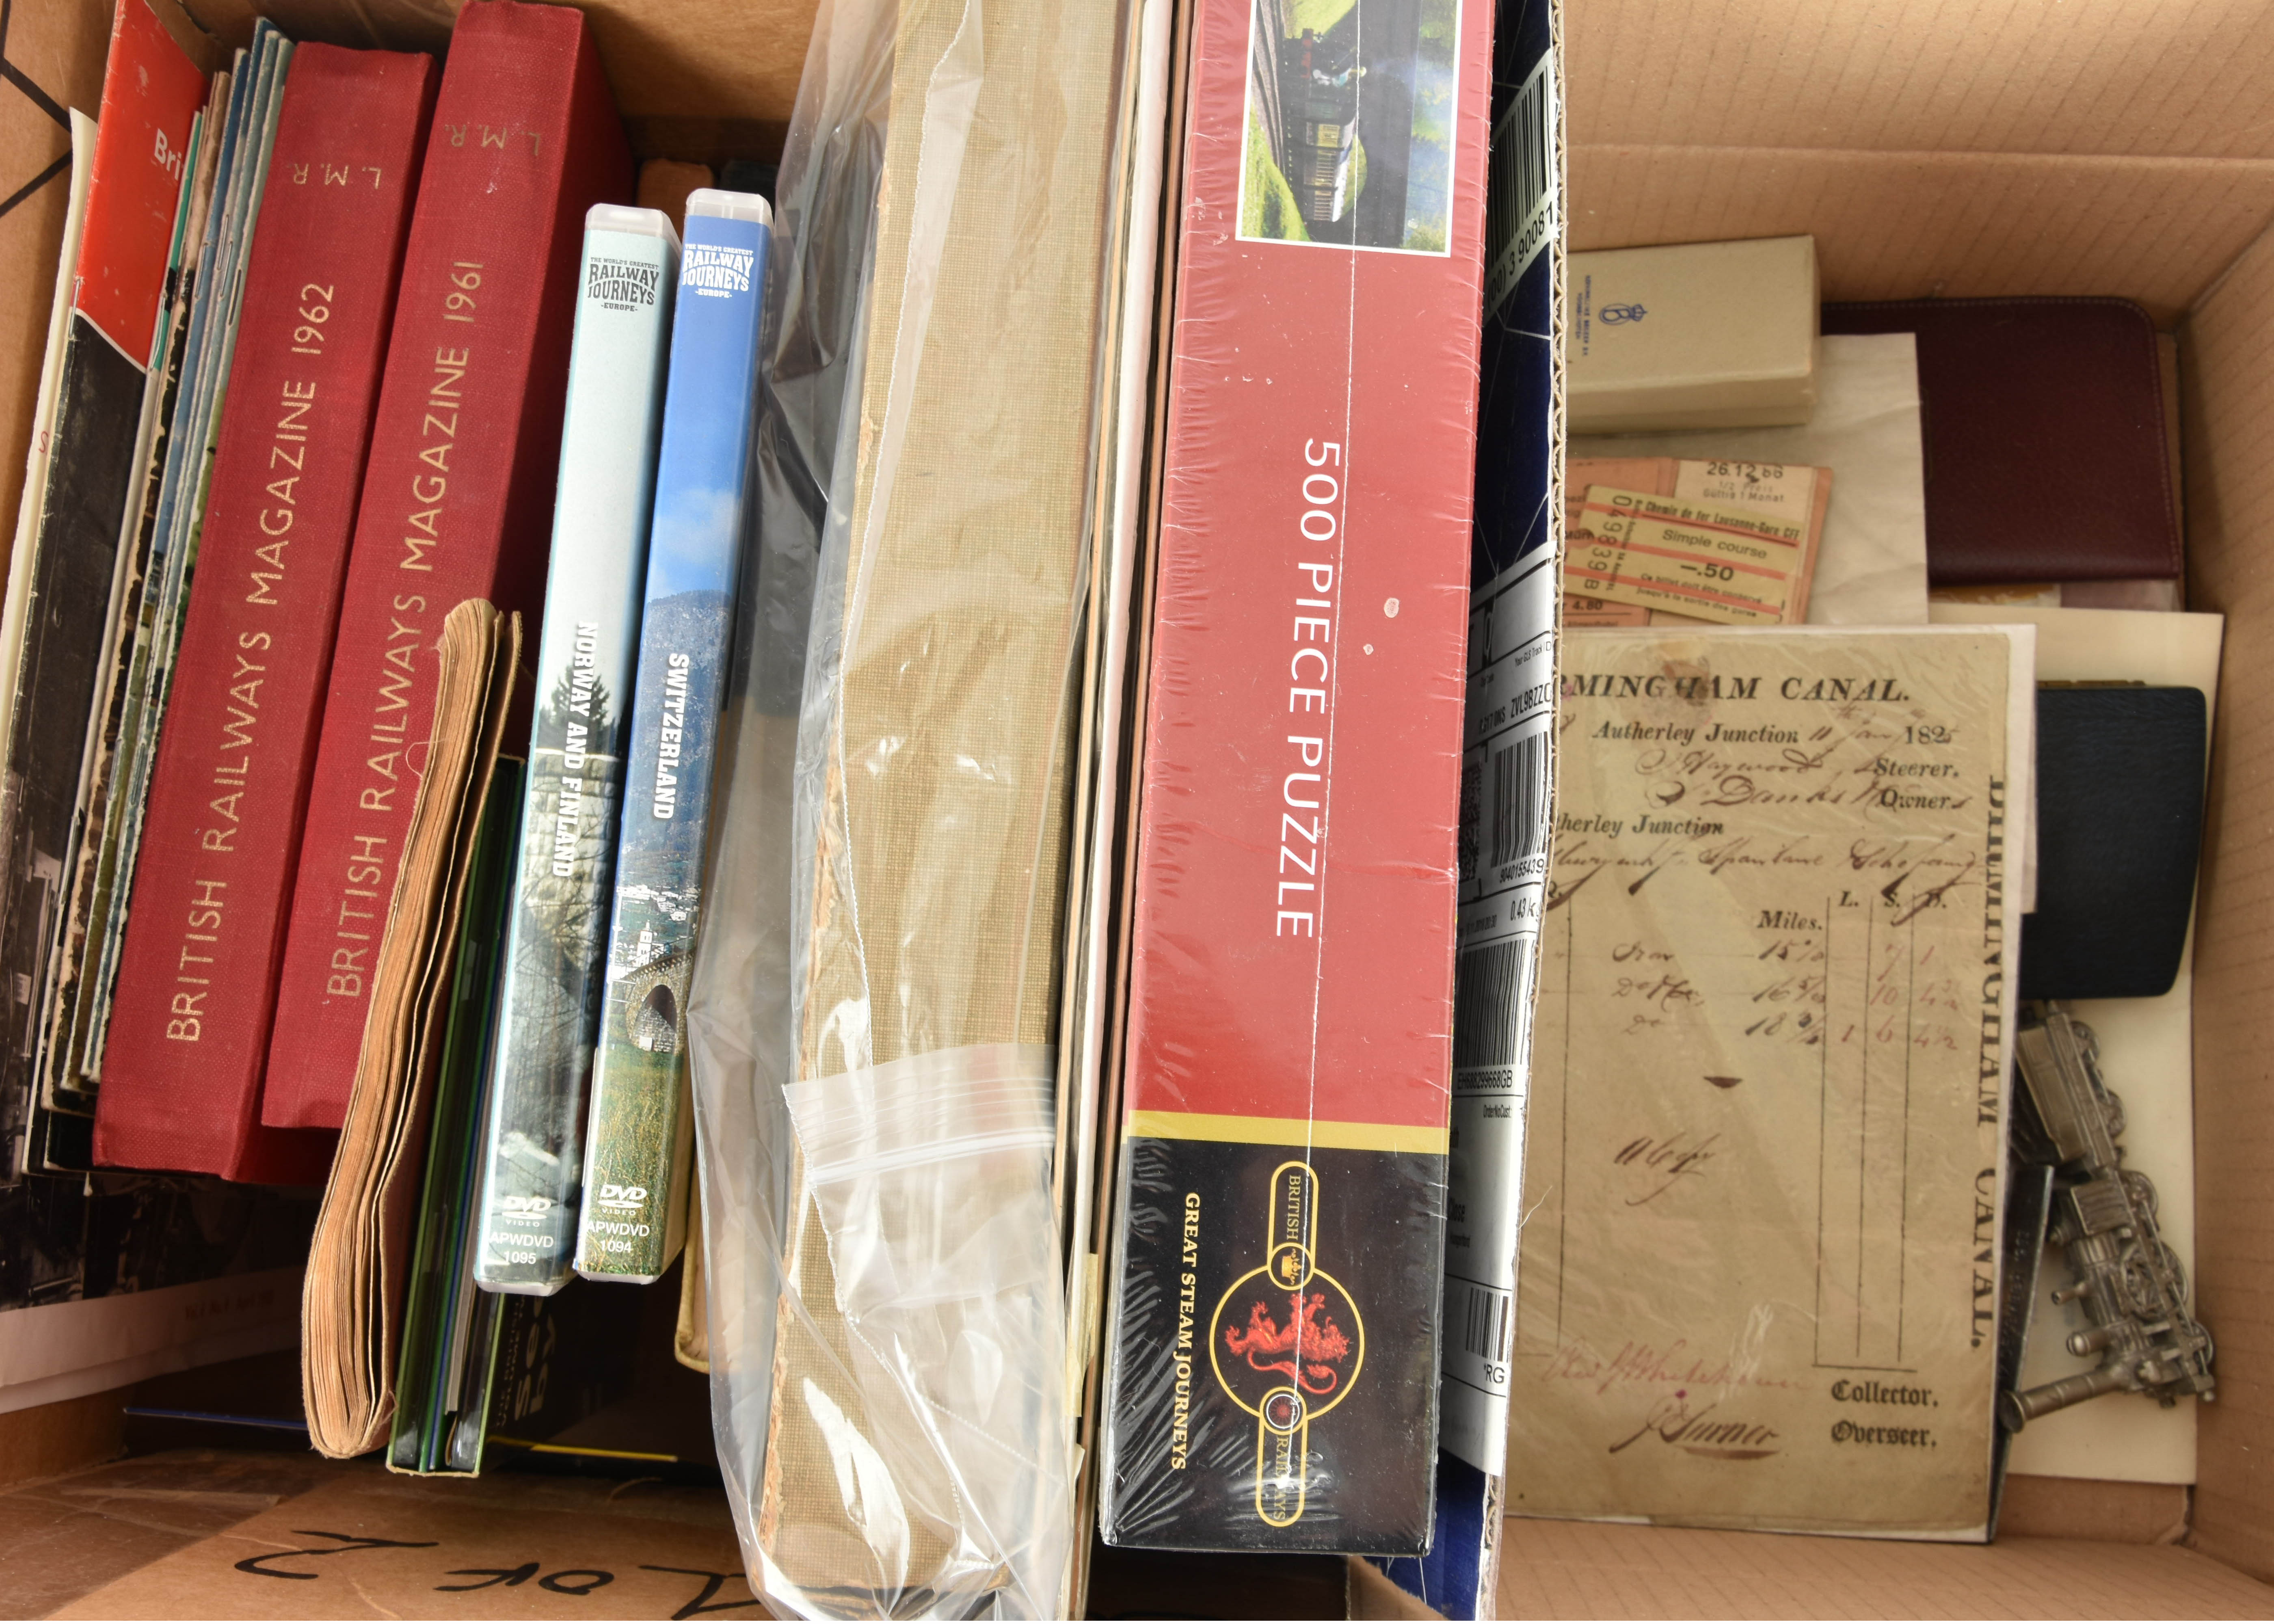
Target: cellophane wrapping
873, 1012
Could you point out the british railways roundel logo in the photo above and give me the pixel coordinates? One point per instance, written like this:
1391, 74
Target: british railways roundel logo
1287, 1343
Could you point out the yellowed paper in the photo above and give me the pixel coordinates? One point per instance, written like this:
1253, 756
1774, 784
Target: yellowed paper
1724, 564
1757, 1285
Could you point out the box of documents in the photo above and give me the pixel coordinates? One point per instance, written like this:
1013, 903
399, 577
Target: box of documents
1274, 1337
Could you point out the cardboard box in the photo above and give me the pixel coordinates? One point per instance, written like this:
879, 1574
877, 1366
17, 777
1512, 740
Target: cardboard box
1965, 148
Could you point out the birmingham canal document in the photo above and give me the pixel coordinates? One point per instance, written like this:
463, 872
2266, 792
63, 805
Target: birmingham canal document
1758, 1276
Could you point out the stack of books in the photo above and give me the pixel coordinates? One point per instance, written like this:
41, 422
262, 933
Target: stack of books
370, 345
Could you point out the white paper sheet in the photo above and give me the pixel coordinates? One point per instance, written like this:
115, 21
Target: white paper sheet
1870, 570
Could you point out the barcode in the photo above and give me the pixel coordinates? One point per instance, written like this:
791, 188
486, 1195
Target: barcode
1483, 1318
1519, 800
1484, 1004
1471, 788
1519, 193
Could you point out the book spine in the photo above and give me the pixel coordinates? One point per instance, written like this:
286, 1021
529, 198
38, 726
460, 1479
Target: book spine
632, 1215
439, 1285
457, 499
181, 500
188, 1038
150, 94
62, 1081
585, 667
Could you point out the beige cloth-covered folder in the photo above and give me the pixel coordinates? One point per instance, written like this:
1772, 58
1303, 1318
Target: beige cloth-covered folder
916, 1453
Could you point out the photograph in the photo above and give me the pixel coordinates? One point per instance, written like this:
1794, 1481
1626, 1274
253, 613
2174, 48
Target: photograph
1349, 123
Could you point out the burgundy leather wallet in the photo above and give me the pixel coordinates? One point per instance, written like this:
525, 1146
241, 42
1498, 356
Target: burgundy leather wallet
2044, 437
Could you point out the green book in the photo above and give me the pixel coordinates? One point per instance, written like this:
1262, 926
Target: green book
438, 1303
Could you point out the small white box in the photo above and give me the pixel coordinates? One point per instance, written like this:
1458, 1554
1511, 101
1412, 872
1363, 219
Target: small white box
1698, 335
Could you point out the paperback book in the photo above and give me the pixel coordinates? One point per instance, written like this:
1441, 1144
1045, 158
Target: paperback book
62, 1130
438, 1302
352, 1311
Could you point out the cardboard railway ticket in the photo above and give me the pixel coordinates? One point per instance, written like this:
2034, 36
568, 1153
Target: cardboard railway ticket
1790, 494
1730, 565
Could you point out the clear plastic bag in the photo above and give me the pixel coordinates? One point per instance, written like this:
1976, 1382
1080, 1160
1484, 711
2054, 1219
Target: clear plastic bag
873, 1013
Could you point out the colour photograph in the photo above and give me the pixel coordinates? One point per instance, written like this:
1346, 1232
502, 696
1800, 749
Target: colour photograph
1349, 123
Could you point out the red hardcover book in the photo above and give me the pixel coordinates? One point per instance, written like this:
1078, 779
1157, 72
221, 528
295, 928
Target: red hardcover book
189, 1035
1275, 1352
458, 502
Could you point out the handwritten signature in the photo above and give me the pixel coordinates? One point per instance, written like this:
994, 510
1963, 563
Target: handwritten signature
1666, 1161
1640, 1363
1672, 1421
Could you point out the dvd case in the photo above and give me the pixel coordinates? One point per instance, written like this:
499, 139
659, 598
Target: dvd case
641, 1130
550, 1003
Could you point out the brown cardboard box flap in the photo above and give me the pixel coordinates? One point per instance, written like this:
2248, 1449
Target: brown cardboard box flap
364, 1544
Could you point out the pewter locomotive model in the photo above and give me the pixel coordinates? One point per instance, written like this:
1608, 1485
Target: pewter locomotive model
2105, 1221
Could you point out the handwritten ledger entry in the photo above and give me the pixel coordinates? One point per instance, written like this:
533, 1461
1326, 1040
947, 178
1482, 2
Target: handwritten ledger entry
1756, 1285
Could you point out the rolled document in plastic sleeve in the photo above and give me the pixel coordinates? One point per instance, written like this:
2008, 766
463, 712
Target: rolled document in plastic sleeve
1505, 800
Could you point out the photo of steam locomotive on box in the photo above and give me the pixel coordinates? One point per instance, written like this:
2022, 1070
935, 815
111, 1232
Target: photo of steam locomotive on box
1350, 110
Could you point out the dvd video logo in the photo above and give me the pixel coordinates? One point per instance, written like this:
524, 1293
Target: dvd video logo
525, 1203
717, 273
622, 1198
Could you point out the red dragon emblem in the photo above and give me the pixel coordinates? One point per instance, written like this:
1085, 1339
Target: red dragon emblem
1311, 1336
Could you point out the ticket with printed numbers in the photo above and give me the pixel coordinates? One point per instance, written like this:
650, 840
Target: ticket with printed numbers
1736, 566
1798, 493
1579, 611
